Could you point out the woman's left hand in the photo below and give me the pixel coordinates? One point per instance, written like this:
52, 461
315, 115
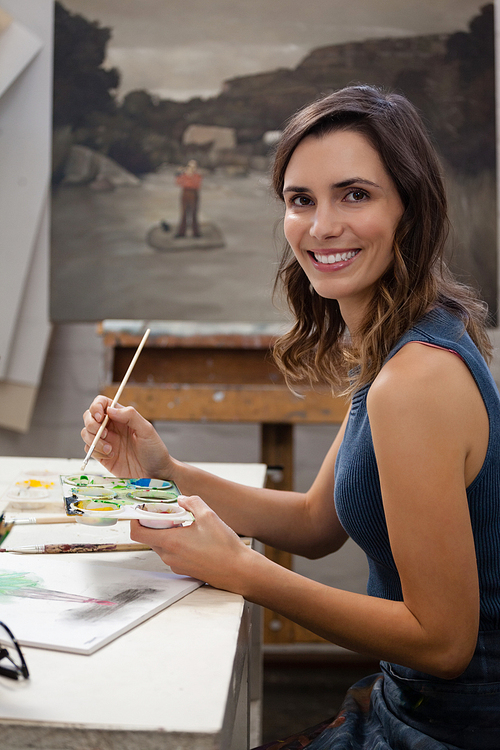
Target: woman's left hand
207, 549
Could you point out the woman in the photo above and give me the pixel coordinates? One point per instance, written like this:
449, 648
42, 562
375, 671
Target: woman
415, 467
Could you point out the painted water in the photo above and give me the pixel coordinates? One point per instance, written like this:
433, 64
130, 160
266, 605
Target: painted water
103, 266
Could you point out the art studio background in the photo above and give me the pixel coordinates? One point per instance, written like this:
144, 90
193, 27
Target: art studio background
104, 262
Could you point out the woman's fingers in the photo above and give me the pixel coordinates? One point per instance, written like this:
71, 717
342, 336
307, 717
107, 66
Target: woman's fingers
92, 420
200, 550
128, 418
98, 408
193, 503
91, 428
128, 444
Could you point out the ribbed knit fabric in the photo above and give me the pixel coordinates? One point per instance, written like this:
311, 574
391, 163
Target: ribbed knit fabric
357, 489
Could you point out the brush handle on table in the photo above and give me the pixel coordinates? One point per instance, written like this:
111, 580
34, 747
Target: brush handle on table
56, 549
29, 520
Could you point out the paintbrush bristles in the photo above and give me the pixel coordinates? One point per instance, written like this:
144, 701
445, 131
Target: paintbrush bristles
117, 396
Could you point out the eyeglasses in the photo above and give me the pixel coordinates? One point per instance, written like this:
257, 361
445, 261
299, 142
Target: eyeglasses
12, 663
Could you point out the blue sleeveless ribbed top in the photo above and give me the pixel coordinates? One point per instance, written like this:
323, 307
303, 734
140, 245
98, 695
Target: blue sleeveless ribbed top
358, 498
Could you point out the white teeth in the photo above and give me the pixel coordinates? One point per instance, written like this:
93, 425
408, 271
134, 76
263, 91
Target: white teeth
334, 258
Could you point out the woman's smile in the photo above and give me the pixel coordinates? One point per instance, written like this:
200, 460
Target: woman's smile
341, 211
334, 259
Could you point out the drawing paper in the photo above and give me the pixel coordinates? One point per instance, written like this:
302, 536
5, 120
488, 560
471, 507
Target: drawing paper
78, 605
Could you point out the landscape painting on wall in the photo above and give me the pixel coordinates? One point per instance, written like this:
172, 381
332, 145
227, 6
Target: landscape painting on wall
165, 118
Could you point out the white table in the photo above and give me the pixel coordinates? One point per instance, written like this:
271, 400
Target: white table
139, 692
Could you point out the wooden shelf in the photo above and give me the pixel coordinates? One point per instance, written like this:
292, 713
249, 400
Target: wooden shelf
229, 403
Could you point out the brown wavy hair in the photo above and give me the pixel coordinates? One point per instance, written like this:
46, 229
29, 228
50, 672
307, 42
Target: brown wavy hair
317, 349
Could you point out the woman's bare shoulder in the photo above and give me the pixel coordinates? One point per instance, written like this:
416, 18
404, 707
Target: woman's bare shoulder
422, 374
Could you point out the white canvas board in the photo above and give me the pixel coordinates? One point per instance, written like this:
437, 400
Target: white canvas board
18, 46
25, 124
27, 354
39, 617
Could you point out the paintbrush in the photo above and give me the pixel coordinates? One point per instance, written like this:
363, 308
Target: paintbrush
29, 520
118, 394
57, 549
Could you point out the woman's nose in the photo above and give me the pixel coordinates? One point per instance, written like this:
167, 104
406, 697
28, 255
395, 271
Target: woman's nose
325, 223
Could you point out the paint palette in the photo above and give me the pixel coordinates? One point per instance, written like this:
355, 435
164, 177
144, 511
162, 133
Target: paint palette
33, 490
102, 501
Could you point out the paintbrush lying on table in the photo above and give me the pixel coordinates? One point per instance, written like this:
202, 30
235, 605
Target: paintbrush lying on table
57, 549
29, 520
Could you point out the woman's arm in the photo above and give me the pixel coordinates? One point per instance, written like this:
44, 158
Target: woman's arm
430, 432
301, 523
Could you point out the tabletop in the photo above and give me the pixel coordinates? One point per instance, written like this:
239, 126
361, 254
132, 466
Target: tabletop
179, 679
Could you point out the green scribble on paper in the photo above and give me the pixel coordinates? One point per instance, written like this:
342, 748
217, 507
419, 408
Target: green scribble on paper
28, 586
12, 583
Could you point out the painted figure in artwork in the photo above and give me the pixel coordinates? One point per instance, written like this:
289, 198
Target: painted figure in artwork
190, 181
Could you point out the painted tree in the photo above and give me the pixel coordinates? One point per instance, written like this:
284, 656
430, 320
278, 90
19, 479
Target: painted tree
82, 86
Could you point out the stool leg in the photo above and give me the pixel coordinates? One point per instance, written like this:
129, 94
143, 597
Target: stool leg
277, 453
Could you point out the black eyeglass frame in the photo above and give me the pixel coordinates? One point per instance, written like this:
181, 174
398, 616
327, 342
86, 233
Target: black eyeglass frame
15, 671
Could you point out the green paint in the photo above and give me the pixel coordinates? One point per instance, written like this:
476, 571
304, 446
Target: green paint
28, 586
11, 583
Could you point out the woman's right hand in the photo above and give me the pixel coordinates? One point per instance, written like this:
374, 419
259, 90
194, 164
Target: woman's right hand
129, 445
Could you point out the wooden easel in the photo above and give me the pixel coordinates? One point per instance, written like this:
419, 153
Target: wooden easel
222, 377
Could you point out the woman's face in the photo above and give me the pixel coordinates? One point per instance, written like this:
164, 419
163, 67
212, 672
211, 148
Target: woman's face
341, 212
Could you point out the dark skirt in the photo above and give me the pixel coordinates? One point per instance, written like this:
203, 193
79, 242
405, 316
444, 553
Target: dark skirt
401, 709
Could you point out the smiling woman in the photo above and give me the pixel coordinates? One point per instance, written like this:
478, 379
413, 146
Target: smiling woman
341, 226
413, 475
380, 198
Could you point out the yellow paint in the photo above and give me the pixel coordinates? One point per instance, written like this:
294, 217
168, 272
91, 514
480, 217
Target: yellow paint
35, 483
94, 505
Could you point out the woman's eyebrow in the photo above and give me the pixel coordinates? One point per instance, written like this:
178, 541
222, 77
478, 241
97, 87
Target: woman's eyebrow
343, 184
354, 181
295, 189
